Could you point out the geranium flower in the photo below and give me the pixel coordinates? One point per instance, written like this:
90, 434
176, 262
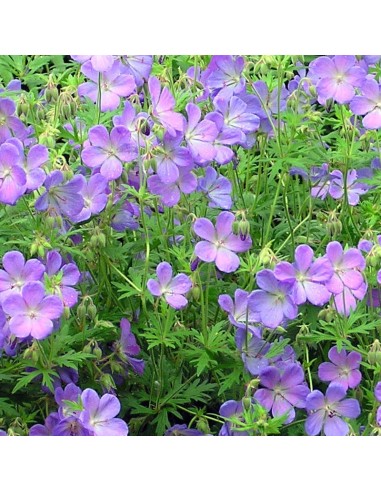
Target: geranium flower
172, 289
217, 188
354, 188
369, 103
163, 104
343, 368
326, 411
220, 245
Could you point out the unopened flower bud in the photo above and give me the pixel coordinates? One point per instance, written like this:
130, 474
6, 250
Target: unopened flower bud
196, 292
203, 426
194, 264
374, 354
107, 381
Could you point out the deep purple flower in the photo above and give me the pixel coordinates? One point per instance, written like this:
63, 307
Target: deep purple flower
200, 135
354, 189
377, 394
17, 273
170, 156
71, 393
60, 279
109, 152
127, 347
220, 245
182, 430
62, 198
163, 104
98, 415
113, 85
126, 217
337, 77
12, 175
328, 410
31, 312
240, 314
47, 429
343, 368
94, 197
309, 276
217, 188
282, 390
369, 103
275, 302
173, 289
170, 194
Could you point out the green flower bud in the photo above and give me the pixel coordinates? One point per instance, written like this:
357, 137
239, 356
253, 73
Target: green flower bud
374, 354
196, 292
92, 311
107, 381
203, 426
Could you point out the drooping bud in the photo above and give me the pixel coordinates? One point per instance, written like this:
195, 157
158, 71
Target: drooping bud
374, 354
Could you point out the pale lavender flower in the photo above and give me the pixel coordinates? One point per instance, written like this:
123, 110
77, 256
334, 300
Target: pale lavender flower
163, 104
12, 175
36, 157
226, 136
308, 274
109, 152
217, 188
283, 390
353, 187
31, 311
60, 279
139, 125
337, 77
171, 288
369, 103
326, 412
98, 415
170, 156
94, 197
343, 368
200, 135
10, 125
240, 314
100, 63
17, 273
232, 410
275, 302
170, 194
220, 245
113, 85
224, 75
253, 351
139, 66
62, 198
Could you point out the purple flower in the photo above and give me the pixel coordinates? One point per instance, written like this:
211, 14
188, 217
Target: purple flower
17, 273
253, 351
100, 63
126, 217
369, 103
326, 411
182, 430
282, 390
170, 194
220, 245
62, 198
139, 125
377, 394
139, 66
31, 312
240, 314
127, 347
163, 104
308, 275
109, 152
224, 75
347, 282
343, 368
173, 289
45, 430
98, 415
60, 280
275, 301
113, 85
265, 103
10, 125
217, 188
71, 393
354, 189
94, 197
337, 77
170, 156
237, 116
233, 410
226, 136
200, 136
12, 175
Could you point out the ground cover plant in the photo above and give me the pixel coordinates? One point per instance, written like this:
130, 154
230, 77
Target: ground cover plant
191, 245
